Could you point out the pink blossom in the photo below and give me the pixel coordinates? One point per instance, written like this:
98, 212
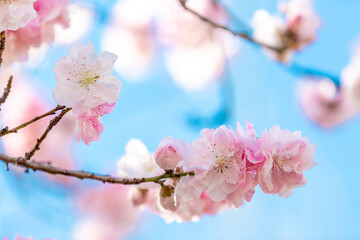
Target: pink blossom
170, 152
295, 32
302, 22
137, 196
268, 29
323, 103
16, 14
129, 34
227, 166
88, 126
216, 162
107, 213
288, 155
84, 79
39, 30
219, 160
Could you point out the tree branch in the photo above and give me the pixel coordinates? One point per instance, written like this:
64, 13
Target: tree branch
294, 68
22, 162
225, 28
52, 124
6, 91
6, 131
2, 45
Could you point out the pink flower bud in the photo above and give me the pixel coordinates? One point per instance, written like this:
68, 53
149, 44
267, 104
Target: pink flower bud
137, 196
168, 203
170, 152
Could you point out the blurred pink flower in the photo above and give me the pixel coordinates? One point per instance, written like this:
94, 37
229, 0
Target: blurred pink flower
108, 214
15, 14
184, 211
324, 103
350, 80
23, 104
39, 30
130, 36
194, 45
295, 32
302, 22
288, 155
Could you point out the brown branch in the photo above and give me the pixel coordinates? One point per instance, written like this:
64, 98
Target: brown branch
22, 162
6, 91
2, 45
294, 68
225, 28
6, 131
52, 124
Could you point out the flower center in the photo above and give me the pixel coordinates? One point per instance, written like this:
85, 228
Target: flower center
88, 79
221, 164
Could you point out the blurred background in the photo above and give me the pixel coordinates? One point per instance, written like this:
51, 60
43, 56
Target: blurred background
158, 100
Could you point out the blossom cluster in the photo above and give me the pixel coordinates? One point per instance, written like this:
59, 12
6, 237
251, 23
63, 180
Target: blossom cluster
295, 32
227, 166
86, 85
329, 104
41, 29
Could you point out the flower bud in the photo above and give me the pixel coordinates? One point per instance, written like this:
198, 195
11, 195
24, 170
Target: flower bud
168, 202
137, 196
170, 152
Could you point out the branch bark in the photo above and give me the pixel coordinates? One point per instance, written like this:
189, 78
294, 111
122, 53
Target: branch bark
294, 68
52, 124
225, 28
47, 168
6, 91
2, 45
6, 131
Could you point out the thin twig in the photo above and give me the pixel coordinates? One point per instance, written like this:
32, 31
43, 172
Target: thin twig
52, 124
2, 45
6, 131
22, 162
6, 91
225, 28
294, 68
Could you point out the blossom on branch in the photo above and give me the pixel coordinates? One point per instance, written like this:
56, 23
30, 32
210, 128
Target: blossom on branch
293, 33
170, 152
328, 104
226, 165
86, 85
193, 45
287, 156
84, 79
16, 13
